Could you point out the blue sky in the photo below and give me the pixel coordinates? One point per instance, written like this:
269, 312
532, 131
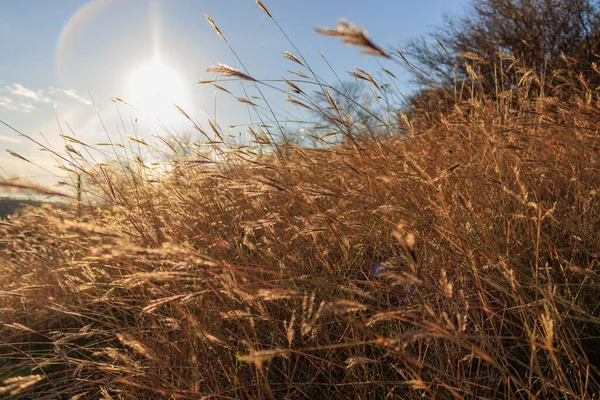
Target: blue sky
63, 60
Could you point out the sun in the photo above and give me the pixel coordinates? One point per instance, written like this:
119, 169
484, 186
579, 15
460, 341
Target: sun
154, 87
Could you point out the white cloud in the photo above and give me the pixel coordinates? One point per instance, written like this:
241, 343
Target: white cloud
72, 93
17, 97
9, 104
10, 139
17, 89
27, 108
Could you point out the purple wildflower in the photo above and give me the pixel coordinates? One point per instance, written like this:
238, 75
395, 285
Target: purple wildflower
378, 268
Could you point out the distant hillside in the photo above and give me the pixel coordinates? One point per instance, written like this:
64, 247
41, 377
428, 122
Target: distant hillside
10, 205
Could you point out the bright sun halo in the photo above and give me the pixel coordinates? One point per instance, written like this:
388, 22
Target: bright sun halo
154, 87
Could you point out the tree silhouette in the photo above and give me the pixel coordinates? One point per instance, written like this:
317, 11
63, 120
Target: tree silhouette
543, 35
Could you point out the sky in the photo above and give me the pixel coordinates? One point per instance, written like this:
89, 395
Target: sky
63, 62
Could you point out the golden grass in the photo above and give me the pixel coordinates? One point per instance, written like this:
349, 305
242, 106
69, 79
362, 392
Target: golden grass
438, 255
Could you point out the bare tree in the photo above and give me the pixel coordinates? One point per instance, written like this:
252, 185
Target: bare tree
356, 108
544, 35
351, 97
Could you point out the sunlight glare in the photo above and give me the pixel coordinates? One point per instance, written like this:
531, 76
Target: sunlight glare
154, 87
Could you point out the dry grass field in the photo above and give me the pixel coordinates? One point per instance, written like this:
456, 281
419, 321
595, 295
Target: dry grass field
451, 251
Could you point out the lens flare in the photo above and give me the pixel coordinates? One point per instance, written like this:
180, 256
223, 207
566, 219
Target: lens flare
154, 87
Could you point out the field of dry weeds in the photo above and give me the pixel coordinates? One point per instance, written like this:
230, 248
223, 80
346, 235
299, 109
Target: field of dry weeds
445, 252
